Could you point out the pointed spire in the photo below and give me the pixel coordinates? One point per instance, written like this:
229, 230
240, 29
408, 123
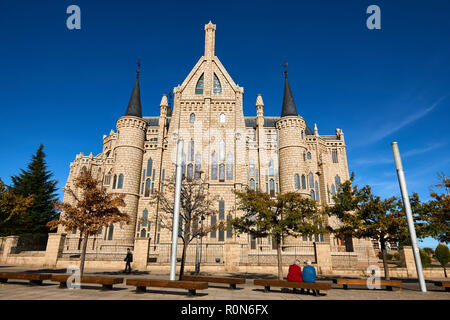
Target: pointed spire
316, 131
210, 38
288, 108
164, 102
134, 106
259, 100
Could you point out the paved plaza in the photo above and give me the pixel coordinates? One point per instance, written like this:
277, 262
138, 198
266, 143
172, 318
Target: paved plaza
21, 290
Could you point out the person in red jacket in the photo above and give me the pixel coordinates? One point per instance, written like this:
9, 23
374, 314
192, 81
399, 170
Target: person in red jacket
295, 273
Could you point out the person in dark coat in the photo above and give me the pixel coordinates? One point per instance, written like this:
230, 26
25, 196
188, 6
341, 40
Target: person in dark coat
295, 273
128, 259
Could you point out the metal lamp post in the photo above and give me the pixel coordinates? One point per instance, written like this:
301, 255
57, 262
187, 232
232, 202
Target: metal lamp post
407, 205
176, 210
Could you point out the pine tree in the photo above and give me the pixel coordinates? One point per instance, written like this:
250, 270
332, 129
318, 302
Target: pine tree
36, 181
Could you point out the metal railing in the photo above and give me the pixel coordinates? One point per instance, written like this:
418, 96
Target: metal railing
31, 242
209, 253
266, 255
97, 248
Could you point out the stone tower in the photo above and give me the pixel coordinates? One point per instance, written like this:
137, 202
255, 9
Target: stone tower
291, 142
128, 154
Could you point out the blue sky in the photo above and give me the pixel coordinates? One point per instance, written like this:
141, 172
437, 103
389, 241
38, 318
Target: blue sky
66, 88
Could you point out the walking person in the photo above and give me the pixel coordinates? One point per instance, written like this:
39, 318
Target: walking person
128, 259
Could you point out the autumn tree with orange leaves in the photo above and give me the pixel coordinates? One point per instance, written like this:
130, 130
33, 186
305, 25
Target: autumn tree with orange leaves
92, 208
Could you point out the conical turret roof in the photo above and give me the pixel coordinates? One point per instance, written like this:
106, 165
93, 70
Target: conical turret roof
134, 106
288, 108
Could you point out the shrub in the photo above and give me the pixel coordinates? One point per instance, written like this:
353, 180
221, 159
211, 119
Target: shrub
425, 258
388, 256
443, 256
429, 251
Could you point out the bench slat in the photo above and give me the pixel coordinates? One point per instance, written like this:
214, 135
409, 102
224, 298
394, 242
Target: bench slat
214, 279
90, 279
25, 276
290, 284
190, 285
393, 283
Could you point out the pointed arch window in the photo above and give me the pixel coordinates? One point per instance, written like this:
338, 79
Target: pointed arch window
221, 172
308, 155
221, 218
192, 118
252, 168
229, 166
147, 188
120, 182
217, 87
272, 188
183, 166
297, 181
222, 150
190, 171
303, 181
333, 190
149, 167
252, 184
214, 166
110, 232
311, 180
198, 165
271, 168
313, 195
144, 217
222, 118
191, 150
317, 191
230, 228
143, 233
114, 181
199, 86
337, 180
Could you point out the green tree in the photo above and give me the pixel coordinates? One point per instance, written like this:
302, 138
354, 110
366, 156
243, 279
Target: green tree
364, 215
443, 256
289, 214
13, 211
436, 213
91, 208
346, 202
425, 258
36, 181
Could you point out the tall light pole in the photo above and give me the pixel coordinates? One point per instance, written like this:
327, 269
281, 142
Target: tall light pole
176, 210
407, 205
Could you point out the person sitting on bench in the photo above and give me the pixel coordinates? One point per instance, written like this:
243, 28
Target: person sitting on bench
309, 273
295, 273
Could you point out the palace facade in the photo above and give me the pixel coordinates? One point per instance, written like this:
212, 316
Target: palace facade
232, 151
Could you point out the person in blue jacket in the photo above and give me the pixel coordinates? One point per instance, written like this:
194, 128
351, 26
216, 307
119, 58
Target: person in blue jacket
309, 273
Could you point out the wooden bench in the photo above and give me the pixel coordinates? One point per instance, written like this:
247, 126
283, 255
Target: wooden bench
34, 278
231, 281
106, 282
315, 287
445, 284
191, 286
363, 282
